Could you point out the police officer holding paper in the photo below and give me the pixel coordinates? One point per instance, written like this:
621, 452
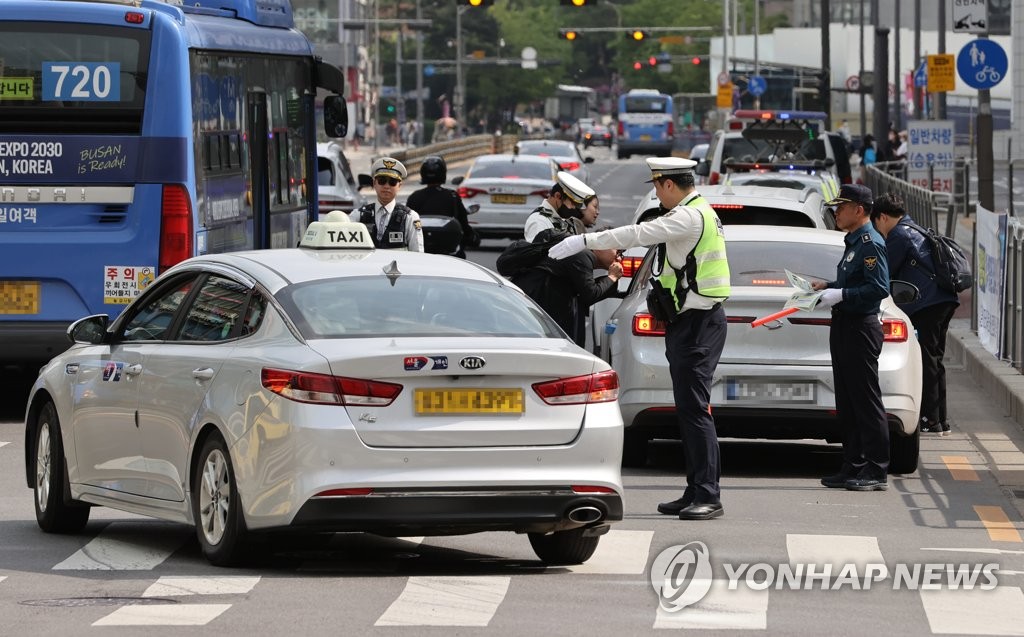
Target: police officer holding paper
692, 284
558, 210
391, 224
855, 340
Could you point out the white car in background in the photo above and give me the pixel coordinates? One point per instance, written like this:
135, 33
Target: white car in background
328, 389
337, 188
774, 381
507, 188
565, 153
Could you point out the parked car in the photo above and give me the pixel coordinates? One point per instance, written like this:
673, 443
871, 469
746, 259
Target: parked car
507, 188
565, 153
336, 184
772, 382
330, 389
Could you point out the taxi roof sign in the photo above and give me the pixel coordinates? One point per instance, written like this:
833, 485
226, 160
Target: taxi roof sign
336, 232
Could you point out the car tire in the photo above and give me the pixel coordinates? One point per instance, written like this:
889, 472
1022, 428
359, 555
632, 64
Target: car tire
622, 155
564, 547
634, 449
904, 452
216, 509
53, 514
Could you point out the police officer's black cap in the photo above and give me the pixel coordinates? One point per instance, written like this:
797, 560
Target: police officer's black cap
855, 193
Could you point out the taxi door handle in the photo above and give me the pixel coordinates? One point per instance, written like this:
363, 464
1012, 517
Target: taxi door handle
203, 373
133, 370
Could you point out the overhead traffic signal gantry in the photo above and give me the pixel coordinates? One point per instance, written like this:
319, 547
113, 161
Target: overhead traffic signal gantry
568, 34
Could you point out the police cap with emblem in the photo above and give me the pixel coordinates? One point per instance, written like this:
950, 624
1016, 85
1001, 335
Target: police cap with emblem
855, 193
662, 167
388, 167
574, 188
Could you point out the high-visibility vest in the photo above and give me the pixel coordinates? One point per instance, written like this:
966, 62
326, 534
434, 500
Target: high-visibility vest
707, 270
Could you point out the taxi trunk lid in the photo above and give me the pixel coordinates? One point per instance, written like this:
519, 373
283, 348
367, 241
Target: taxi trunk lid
798, 339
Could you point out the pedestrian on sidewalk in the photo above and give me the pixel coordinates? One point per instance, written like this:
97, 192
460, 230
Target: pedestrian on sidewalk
911, 260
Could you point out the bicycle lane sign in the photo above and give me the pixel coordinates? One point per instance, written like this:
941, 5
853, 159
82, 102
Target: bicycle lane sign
982, 64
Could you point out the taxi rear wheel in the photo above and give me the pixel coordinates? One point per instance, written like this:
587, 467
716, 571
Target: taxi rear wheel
53, 514
220, 527
904, 452
564, 547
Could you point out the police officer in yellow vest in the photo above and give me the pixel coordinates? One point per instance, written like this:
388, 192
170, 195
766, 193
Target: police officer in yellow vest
689, 291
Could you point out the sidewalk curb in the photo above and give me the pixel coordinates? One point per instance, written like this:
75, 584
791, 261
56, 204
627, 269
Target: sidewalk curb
1000, 380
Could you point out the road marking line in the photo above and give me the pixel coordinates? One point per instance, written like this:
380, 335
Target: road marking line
4, 443
171, 586
741, 609
619, 552
114, 550
163, 615
837, 550
999, 527
999, 611
960, 468
446, 601
2, 577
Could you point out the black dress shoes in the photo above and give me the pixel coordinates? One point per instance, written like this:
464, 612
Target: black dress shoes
705, 511
837, 481
675, 506
866, 483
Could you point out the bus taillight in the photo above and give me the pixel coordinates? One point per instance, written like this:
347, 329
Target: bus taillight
671, 128
621, 129
175, 226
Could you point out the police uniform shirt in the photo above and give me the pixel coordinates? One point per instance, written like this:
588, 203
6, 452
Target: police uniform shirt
544, 220
413, 231
679, 229
863, 274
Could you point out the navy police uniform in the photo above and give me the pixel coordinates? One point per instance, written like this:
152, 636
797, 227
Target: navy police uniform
855, 340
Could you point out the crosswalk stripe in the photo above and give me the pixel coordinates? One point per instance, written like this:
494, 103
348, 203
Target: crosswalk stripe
136, 552
999, 527
837, 550
163, 615
721, 608
446, 601
975, 612
619, 552
960, 468
4, 443
173, 586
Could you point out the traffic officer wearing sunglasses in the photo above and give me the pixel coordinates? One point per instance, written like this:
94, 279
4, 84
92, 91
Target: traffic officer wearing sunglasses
855, 340
391, 224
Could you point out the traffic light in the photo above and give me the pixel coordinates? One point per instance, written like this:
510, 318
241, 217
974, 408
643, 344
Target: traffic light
652, 61
696, 60
568, 34
637, 65
578, 3
477, 3
637, 34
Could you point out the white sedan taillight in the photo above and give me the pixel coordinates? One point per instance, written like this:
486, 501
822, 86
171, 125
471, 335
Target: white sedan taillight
324, 389
601, 387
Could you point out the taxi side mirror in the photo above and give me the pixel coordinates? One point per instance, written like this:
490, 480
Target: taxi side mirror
365, 181
703, 168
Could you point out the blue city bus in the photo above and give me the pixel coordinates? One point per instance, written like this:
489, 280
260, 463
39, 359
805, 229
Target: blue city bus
134, 135
645, 123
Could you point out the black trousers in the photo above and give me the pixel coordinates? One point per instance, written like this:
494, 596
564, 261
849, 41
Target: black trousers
931, 324
693, 345
855, 342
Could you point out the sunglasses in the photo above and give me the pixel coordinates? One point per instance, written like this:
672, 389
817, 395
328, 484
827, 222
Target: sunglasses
387, 181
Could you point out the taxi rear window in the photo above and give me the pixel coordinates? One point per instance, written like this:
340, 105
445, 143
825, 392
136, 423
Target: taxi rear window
362, 307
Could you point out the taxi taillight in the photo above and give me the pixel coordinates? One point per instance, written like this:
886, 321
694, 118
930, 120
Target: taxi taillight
324, 389
894, 331
646, 325
175, 226
630, 265
601, 387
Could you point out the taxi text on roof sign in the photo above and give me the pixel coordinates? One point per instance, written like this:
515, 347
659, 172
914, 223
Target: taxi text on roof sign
336, 232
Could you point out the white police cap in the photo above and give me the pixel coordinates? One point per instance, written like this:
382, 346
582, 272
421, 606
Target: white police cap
668, 166
388, 167
574, 188
336, 231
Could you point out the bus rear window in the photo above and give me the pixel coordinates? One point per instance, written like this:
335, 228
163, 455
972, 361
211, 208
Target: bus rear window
646, 104
72, 78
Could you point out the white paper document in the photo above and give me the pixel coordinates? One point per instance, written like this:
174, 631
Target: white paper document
806, 297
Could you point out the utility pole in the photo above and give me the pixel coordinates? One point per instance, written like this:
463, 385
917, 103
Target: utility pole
825, 85
897, 111
419, 78
918, 93
940, 98
860, 76
880, 95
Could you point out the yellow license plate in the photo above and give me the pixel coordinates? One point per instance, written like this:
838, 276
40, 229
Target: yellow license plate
437, 402
508, 198
19, 297
645, 138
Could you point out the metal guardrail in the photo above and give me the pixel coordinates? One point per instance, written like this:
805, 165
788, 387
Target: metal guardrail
924, 205
456, 150
1012, 329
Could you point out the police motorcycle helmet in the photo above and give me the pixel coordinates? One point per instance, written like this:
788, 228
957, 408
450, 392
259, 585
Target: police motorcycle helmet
433, 170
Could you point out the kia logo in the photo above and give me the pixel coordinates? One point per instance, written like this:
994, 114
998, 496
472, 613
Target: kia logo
472, 362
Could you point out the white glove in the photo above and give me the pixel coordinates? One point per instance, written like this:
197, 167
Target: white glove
830, 297
567, 247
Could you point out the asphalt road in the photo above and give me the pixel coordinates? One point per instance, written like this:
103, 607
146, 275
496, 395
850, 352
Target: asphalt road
127, 574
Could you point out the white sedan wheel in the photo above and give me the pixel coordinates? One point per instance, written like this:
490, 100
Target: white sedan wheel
214, 497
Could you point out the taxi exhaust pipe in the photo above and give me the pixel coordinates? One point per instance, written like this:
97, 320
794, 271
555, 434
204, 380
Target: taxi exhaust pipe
585, 515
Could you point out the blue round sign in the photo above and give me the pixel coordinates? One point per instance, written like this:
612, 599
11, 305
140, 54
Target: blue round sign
757, 85
982, 64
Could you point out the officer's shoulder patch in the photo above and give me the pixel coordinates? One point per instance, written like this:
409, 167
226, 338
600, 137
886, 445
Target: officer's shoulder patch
870, 262
417, 224
866, 238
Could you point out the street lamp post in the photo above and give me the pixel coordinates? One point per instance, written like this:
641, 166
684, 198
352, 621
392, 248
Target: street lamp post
460, 80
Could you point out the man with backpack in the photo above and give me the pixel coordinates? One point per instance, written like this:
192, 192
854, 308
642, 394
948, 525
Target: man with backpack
912, 259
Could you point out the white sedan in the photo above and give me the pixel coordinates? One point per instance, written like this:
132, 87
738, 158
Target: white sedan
773, 381
330, 389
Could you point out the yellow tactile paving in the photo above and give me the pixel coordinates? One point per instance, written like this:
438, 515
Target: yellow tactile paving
999, 527
960, 468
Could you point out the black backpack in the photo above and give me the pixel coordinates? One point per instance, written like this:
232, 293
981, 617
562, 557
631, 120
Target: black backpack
521, 255
952, 266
